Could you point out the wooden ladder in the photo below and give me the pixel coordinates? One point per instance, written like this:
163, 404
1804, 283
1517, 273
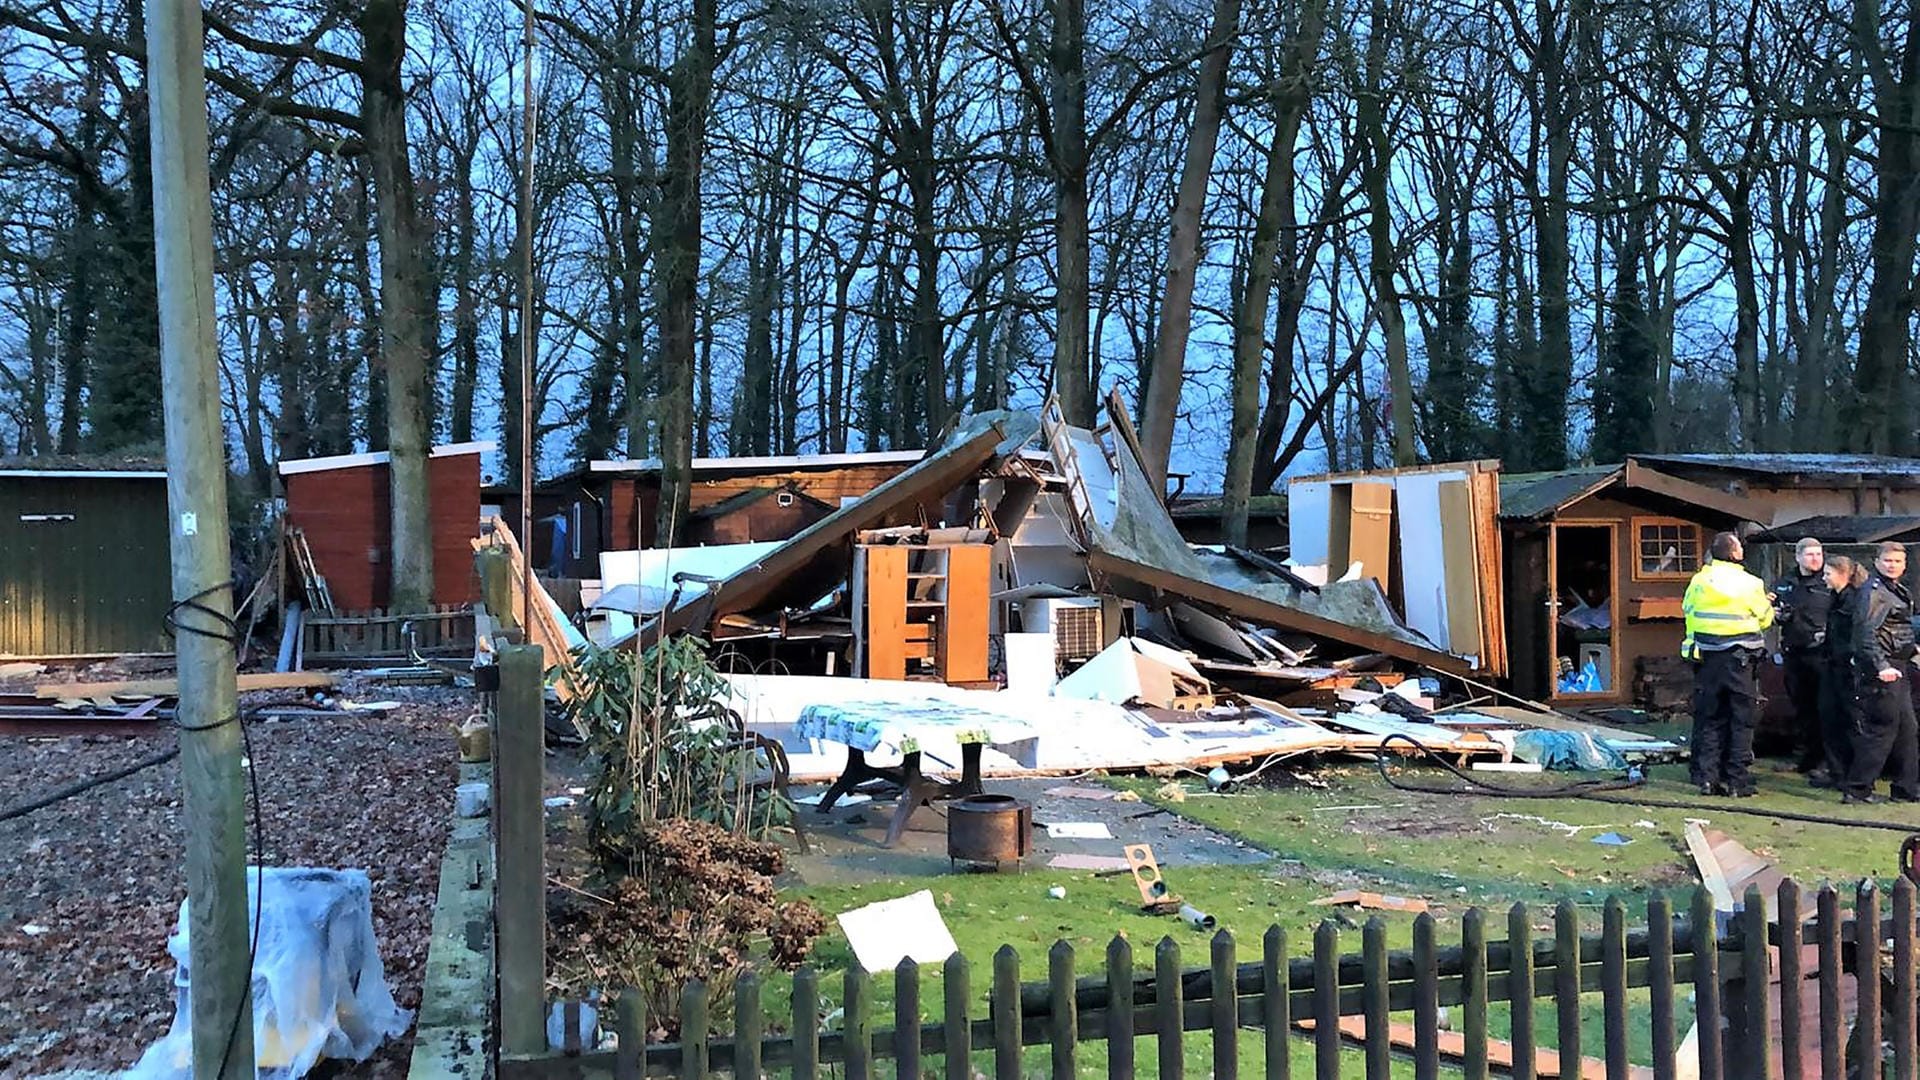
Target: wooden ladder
319, 597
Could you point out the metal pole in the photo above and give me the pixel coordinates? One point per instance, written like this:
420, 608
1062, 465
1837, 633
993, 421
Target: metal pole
210, 736
527, 426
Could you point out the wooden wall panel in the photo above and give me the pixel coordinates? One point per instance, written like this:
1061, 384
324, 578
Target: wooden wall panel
885, 597
1461, 565
963, 636
1370, 532
348, 518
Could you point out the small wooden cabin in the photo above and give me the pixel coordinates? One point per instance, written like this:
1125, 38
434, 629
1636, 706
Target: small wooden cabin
1596, 562
344, 506
84, 562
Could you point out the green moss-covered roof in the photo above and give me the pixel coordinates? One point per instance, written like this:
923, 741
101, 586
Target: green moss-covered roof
1526, 496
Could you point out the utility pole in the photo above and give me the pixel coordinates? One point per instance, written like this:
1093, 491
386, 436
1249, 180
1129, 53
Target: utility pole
210, 736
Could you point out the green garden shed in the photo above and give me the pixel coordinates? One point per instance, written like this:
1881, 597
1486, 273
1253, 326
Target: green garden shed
84, 566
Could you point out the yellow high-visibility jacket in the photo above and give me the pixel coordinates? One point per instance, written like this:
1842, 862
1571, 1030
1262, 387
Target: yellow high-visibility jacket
1726, 607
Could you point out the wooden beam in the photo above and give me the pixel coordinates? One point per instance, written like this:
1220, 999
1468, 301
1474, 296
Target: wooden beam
166, 688
933, 477
1260, 610
1641, 478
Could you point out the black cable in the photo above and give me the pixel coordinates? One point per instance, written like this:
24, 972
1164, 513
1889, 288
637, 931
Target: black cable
1594, 791
175, 627
86, 785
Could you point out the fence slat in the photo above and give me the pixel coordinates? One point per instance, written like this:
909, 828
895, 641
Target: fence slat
1868, 1031
1706, 987
1520, 989
906, 1018
1566, 982
1660, 984
1755, 1033
1473, 1009
1273, 1001
1168, 1021
1426, 1000
1005, 1013
1326, 1001
630, 1028
1373, 996
1226, 1009
857, 1024
749, 1026
957, 1045
1066, 1020
1119, 1008
1903, 1003
806, 1024
1613, 987
1792, 973
1832, 1042
693, 1031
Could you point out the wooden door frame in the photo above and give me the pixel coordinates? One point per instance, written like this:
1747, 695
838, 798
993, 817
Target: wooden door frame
1613, 606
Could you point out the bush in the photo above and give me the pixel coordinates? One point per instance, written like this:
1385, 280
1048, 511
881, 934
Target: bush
700, 905
667, 748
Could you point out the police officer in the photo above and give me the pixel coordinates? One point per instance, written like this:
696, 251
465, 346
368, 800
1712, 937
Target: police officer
1883, 663
1801, 601
1728, 611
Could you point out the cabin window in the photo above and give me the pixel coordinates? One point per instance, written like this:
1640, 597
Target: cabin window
1665, 548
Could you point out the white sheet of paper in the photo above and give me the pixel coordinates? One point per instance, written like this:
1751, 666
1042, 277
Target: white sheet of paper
1080, 830
884, 933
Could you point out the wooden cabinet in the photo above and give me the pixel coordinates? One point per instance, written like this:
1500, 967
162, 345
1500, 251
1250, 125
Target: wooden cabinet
921, 611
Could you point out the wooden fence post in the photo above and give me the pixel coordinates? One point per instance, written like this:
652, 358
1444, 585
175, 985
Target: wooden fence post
1065, 1020
748, 1025
958, 1048
1566, 984
1373, 999
1005, 1013
1473, 1012
520, 832
1226, 1009
1167, 1009
1755, 1032
1274, 1011
1119, 1009
1868, 1030
1426, 1000
1902, 1005
806, 1024
906, 1019
1326, 1001
1520, 989
1660, 984
1833, 1043
1792, 973
1706, 987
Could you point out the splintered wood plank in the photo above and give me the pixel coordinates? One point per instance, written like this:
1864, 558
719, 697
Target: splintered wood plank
886, 605
963, 636
1461, 569
165, 688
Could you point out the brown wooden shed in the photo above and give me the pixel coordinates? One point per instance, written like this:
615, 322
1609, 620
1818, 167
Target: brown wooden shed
344, 506
1596, 562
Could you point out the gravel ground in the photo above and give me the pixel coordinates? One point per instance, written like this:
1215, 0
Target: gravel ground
100, 877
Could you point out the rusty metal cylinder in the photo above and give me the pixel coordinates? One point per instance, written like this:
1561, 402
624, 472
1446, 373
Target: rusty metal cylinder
989, 829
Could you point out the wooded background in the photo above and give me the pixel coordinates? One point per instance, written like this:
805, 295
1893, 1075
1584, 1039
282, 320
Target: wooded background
1329, 232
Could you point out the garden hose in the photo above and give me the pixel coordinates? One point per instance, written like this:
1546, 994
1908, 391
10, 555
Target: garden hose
1596, 791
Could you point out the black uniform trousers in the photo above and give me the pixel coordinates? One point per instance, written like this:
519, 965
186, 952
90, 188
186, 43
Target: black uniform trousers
1723, 713
1806, 672
1839, 717
1887, 739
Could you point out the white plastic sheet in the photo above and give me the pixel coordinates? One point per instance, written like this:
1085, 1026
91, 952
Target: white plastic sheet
319, 989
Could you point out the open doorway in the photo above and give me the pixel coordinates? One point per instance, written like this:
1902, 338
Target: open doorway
1584, 578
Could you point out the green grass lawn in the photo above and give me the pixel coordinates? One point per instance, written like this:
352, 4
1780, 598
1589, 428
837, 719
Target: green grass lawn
1349, 829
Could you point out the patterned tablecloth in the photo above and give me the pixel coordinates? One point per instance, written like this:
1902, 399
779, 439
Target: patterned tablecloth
873, 725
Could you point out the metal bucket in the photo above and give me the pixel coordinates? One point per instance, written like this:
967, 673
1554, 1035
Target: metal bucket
989, 829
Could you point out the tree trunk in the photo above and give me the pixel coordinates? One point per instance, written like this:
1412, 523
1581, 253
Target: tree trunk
1544, 423
1811, 406
1381, 256
1883, 374
677, 264
1273, 229
383, 28
1067, 63
1168, 372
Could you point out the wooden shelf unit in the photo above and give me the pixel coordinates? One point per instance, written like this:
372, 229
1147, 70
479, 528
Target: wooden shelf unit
921, 610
